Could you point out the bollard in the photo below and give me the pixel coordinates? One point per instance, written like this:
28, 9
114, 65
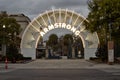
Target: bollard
6, 63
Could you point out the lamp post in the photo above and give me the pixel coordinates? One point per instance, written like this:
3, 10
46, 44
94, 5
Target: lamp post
4, 45
4, 50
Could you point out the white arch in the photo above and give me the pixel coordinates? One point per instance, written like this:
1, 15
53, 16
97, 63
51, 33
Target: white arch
31, 34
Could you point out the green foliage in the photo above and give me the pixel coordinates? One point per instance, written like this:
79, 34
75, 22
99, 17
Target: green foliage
9, 34
3, 14
104, 17
13, 53
53, 40
67, 39
102, 52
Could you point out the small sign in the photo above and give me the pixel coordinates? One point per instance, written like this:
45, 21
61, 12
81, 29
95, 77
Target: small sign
111, 55
110, 52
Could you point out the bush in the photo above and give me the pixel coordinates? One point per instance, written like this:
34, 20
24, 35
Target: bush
15, 57
13, 54
27, 58
102, 53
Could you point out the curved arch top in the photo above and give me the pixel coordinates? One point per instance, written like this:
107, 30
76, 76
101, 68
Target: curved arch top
58, 18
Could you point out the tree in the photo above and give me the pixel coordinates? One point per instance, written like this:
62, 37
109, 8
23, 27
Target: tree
67, 39
9, 34
104, 18
13, 53
53, 41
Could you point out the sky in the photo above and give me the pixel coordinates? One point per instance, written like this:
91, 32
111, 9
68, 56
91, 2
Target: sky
32, 8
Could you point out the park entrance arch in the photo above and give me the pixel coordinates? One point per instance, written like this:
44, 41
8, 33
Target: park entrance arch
58, 18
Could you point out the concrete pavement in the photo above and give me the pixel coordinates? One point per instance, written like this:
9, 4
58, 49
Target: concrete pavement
60, 74
59, 64
73, 69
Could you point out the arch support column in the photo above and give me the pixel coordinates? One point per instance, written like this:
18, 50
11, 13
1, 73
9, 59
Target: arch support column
29, 52
89, 52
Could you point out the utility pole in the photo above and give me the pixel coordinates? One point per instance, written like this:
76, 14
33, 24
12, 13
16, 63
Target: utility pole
110, 47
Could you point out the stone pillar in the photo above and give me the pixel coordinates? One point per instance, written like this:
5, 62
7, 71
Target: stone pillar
29, 52
89, 52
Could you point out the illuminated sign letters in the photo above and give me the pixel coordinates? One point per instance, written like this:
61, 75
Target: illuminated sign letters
60, 25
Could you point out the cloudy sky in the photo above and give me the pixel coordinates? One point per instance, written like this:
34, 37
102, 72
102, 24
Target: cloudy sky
33, 8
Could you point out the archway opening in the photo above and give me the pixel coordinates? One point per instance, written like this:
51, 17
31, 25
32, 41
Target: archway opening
64, 47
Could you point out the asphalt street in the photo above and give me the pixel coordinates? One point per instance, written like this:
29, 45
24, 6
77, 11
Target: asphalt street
61, 74
79, 69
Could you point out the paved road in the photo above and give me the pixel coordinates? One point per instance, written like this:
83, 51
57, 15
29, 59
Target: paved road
61, 74
60, 64
60, 70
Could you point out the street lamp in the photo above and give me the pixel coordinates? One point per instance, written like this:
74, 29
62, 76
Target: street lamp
4, 46
4, 50
4, 26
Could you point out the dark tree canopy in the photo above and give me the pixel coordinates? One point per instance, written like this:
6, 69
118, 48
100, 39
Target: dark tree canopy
53, 40
9, 33
68, 39
9, 36
104, 17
